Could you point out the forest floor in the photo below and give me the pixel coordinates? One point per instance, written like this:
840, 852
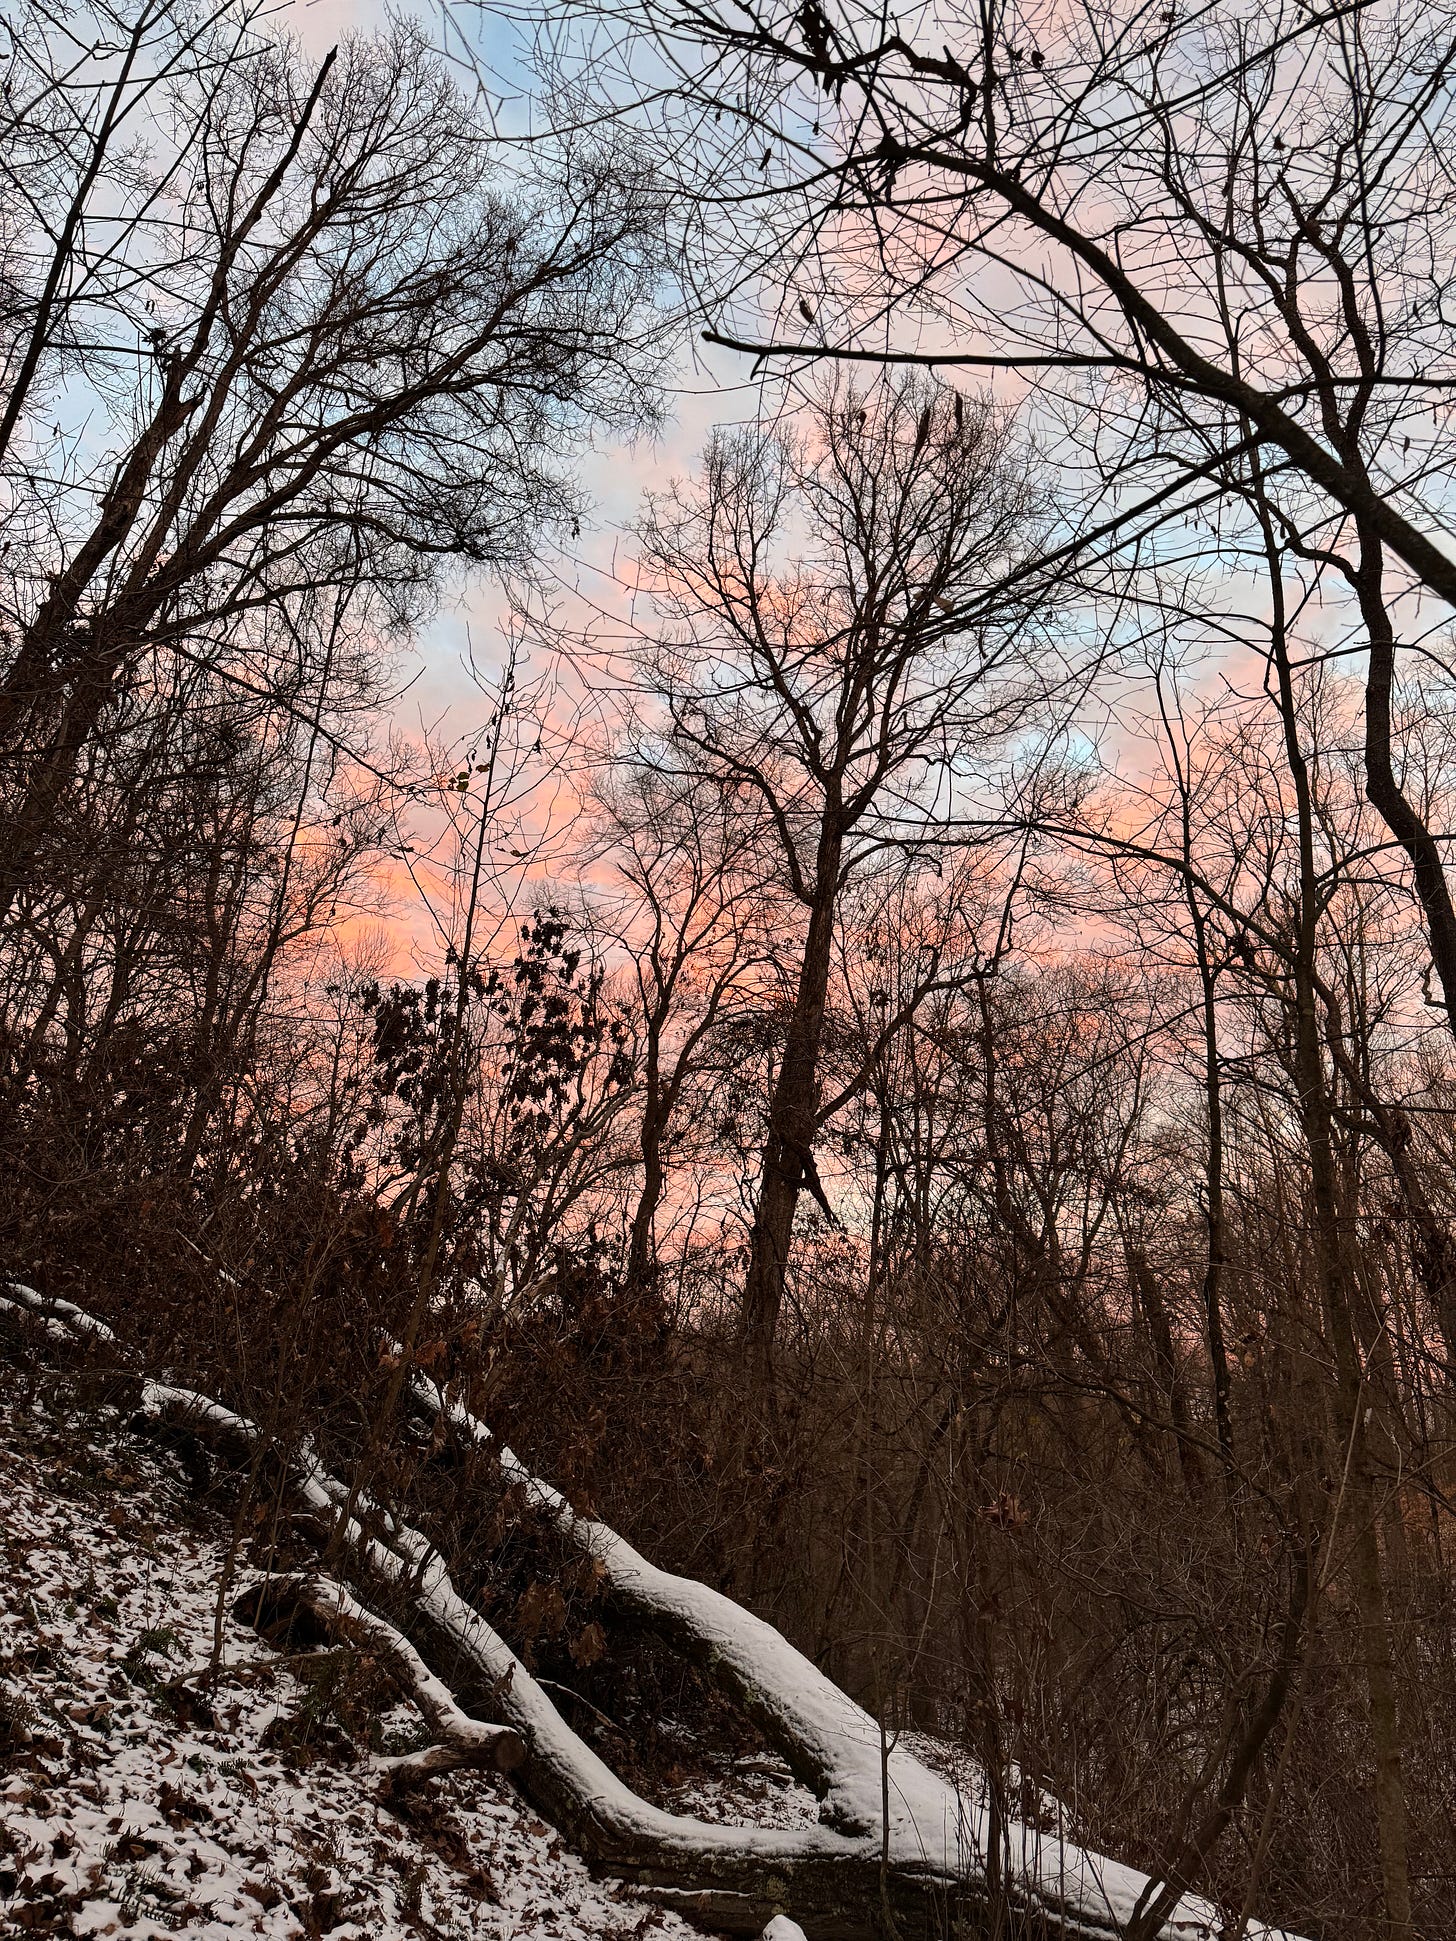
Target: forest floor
139, 1799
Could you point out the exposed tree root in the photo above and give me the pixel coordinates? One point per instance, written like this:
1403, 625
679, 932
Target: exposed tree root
899, 1850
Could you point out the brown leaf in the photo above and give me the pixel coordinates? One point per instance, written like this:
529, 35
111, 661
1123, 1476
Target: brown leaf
589, 1645
530, 1607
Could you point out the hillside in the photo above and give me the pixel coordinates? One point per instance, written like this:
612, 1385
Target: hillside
133, 1804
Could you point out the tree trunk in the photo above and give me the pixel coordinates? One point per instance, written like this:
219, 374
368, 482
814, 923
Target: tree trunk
1170, 1373
43, 787
1217, 1237
788, 1155
641, 1250
1381, 787
1341, 1326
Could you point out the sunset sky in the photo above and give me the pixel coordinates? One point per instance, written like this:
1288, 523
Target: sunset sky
710, 387
591, 574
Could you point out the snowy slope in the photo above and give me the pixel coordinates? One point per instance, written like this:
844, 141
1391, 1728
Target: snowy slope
124, 1811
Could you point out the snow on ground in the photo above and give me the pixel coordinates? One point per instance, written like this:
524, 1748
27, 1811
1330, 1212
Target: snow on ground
758, 1791
125, 1810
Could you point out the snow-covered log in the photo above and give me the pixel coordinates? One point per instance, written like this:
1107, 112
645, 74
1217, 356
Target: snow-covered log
831, 1744
61, 1323
928, 1835
459, 1739
898, 1846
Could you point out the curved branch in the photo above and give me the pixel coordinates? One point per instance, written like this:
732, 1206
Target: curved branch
460, 1739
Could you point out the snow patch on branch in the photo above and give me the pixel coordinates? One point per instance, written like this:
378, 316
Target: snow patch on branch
58, 1320
461, 1740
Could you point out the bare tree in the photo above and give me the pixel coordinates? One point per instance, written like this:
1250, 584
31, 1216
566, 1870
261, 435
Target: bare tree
1195, 235
346, 346
815, 669
696, 925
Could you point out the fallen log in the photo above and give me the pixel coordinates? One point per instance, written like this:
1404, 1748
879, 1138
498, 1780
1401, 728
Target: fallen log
832, 1745
899, 1849
460, 1740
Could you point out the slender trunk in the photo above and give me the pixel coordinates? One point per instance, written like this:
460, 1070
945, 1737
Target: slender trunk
1367, 1576
788, 1151
1258, 1724
1433, 1248
204, 1049
1170, 1374
1217, 1236
47, 782
641, 1247
1381, 787
1213, 1105
67, 964
877, 1623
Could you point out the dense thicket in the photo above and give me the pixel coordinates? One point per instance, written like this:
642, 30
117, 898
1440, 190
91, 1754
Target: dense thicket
962, 1154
